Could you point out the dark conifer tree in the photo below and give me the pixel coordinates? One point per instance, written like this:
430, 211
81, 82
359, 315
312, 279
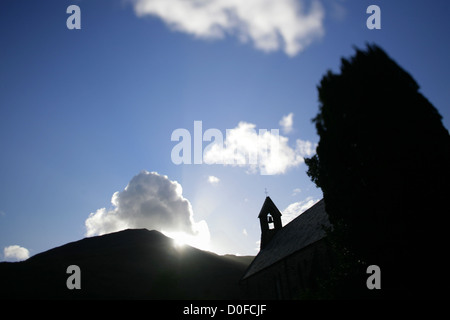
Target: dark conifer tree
383, 165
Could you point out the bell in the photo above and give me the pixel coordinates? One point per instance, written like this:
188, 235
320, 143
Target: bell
269, 219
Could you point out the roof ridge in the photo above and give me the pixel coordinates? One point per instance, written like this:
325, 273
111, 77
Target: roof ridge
302, 231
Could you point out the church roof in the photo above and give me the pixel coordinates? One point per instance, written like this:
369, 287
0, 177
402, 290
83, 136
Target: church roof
304, 230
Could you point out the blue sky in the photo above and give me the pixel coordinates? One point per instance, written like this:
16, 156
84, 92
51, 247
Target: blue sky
84, 111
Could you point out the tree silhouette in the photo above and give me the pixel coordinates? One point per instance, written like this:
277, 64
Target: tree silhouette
382, 163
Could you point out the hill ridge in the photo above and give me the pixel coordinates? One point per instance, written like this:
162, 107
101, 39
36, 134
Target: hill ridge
128, 264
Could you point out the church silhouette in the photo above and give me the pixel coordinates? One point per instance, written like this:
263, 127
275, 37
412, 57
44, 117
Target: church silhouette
291, 257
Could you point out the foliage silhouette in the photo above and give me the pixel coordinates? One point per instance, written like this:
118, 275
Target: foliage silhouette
382, 163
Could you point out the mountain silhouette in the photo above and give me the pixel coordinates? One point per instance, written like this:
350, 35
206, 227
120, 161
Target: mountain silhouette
129, 264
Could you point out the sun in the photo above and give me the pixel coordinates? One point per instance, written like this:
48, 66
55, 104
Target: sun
179, 243
181, 240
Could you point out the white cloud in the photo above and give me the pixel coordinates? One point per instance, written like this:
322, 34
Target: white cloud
15, 253
258, 245
271, 25
296, 191
286, 123
297, 208
305, 148
213, 180
151, 201
266, 151
244, 232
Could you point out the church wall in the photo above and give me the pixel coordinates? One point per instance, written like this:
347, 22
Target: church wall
291, 277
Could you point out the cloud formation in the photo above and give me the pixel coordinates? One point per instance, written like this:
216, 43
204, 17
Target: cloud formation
151, 201
271, 25
287, 123
265, 150
15, 253
213, 180
297, 208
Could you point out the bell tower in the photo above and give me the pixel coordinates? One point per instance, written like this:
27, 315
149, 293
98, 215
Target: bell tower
270, 221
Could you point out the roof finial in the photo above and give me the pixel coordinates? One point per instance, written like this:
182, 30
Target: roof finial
265, 191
